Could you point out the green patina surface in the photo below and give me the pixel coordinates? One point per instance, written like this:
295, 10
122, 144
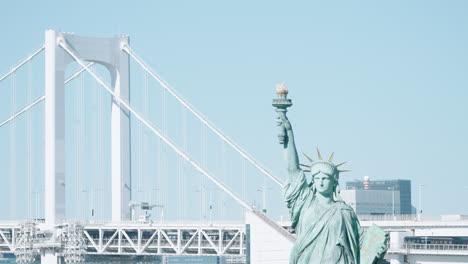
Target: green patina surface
328, 230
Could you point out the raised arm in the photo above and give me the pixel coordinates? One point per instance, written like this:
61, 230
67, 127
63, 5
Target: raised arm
296, 191
286, 138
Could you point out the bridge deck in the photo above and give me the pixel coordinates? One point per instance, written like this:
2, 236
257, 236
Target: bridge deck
135, 238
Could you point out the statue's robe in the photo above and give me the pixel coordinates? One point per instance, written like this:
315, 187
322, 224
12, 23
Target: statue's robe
325, 235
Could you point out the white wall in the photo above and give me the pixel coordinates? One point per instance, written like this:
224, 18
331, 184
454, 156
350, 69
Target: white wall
267, 244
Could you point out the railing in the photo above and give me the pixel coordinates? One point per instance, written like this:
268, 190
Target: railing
424, 218
418, 246
152, 223
387, 217
410, 218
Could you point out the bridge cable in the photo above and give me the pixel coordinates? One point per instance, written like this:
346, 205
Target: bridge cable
180, 203
94, 153
28, 124
38, 100
28, 143
26, 108
77, 73
179, 188
99, 152
222, 200
243, 179
82, 147
165, 167
183, 168
243, 153
13, 164
146, 140
156, 131
204, 163
139, 163
77, 152
20, 112
14, 69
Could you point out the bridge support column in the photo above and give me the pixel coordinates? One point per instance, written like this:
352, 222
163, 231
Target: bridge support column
120, 138
107, 52
50, 258
54, 130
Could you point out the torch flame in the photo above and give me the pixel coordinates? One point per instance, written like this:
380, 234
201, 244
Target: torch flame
281, 88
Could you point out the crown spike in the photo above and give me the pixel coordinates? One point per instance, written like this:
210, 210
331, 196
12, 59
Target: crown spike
344, 170
341, 164
311, 160
319, 155
305, 165
331, 157
306, 170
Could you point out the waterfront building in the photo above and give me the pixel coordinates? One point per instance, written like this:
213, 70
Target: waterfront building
399, 187
372, 202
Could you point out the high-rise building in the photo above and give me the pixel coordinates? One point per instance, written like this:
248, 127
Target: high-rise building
373, 202
402, 187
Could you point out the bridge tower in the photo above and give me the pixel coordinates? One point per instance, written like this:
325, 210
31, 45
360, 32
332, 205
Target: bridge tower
107, 52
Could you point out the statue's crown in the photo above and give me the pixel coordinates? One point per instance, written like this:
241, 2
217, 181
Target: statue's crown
327, 167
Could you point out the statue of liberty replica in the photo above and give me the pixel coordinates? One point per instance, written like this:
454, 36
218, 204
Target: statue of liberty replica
328, 230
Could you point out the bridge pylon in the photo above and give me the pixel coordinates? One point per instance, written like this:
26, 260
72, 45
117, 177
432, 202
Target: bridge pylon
107, 52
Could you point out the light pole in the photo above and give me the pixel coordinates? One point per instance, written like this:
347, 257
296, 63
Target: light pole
161, 219
90, 196
132, 206
36, 197
86, 208
202, 191
420, 201
263, 190
96, 203
211, 207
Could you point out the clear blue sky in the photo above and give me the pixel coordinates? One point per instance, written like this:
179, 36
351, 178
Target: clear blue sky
383, 84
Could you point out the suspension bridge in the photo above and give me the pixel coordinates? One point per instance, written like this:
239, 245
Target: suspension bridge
90, 152
103, 161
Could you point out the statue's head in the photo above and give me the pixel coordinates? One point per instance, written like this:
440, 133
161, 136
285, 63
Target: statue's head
325, 175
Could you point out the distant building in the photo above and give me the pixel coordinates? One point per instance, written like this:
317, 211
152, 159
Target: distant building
372, 202
401, 188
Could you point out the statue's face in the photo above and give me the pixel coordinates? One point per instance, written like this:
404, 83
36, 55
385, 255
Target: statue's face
324, 183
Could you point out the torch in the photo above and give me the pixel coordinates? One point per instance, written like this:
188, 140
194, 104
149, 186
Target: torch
281, 103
